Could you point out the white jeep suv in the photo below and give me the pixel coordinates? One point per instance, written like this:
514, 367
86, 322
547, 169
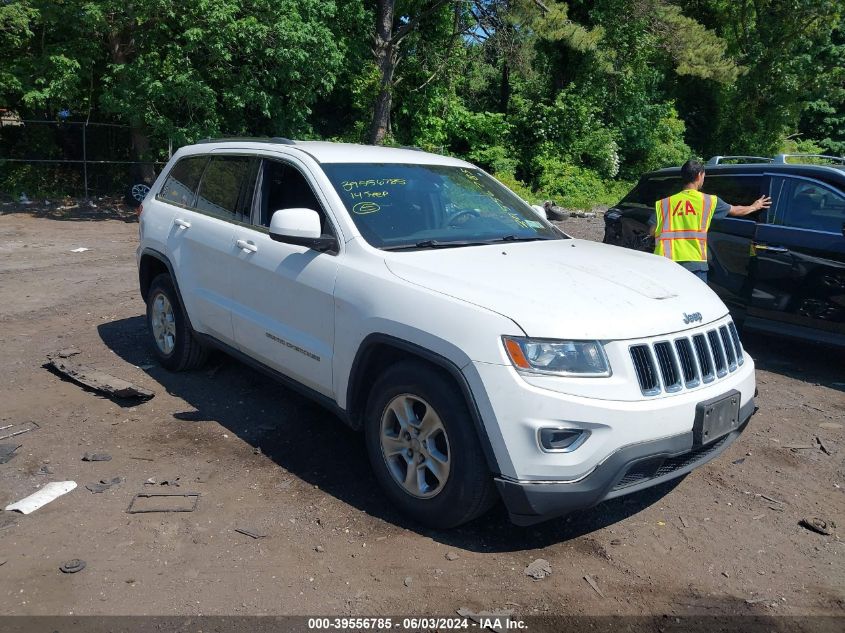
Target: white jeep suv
482, 352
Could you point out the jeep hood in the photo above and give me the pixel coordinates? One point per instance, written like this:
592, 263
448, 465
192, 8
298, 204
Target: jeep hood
573, 289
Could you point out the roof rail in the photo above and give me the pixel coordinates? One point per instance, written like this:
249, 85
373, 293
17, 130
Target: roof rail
716, 160
240, 139
782, 158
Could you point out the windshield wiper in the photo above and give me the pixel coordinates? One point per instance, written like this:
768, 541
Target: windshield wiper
433, 244
519, 238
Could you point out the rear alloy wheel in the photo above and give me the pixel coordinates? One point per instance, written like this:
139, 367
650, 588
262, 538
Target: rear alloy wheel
174, 342
423, 447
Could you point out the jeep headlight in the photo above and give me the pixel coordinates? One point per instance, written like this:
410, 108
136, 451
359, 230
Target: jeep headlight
559, 358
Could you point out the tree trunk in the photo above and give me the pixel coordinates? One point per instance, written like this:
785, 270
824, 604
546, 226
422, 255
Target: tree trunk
386, 57
119, 44
505, 88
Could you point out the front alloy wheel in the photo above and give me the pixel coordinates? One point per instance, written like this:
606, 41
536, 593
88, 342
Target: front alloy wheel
423, 446
415, 446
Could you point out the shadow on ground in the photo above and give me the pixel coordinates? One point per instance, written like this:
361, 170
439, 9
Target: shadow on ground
796, 359
319, 449
73, 211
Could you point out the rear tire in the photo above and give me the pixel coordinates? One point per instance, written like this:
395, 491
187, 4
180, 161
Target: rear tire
174, 343
427, 457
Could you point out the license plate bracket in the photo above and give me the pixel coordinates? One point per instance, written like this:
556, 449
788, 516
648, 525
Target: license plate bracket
716, 418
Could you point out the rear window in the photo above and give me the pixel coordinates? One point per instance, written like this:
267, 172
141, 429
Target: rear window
181, 184
649, 190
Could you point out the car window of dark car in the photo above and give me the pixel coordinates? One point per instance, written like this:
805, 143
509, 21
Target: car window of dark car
223, 186
649, 190
811, 205
736, 190
180, 187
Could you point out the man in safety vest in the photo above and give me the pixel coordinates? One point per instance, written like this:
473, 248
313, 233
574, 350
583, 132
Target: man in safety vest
681, 222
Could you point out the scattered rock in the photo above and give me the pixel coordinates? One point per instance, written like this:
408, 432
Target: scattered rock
72, 566
7, 452
452, 556
104, 484
819, 526
408, 580
320, 549
539, 569
96, 457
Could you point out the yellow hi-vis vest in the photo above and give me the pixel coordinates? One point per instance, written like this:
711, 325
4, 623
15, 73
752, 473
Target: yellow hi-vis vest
682, 224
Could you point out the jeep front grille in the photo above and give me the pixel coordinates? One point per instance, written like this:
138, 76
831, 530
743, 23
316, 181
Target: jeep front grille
686, 361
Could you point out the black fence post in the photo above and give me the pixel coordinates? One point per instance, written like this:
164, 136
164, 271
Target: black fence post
85, 156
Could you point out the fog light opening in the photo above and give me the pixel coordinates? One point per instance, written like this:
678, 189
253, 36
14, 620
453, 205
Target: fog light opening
554, 440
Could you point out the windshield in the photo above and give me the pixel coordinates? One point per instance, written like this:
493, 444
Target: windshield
398, 206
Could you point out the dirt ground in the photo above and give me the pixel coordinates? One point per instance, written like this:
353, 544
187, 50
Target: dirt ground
725, 540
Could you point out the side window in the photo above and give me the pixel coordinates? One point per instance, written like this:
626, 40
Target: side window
649, 191
284, 187
181, 184
735, 190
809, 205
225, 183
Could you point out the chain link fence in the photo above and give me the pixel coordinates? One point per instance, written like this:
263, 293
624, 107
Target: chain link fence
71, 158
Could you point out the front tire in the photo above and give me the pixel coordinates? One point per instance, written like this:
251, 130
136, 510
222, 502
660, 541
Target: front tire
174, 343
423, 447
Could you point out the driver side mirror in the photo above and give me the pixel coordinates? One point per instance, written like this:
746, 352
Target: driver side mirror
300, 227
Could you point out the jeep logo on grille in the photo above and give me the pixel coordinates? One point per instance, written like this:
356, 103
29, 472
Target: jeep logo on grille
693, 317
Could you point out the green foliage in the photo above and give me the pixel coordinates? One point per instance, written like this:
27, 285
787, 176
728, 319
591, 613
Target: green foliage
564, 100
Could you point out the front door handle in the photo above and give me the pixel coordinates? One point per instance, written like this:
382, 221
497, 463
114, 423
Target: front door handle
182, 224
771, 249
245, 246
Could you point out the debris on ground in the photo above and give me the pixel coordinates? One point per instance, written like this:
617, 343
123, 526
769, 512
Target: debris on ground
408, 580
104, 484
81, 249
539, 569
96, 457
683, 522
319, 549
98, 380
824, 449
48, 493
767, 498
593, 584
13, 430
799, 447
72, 566
738, 461
7, 452
45, 470
452, 556
251, 533
163, 502
819, 526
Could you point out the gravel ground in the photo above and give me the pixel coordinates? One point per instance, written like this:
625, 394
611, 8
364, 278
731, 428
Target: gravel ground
724, 540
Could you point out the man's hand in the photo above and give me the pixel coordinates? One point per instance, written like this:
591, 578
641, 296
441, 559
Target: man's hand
763, 202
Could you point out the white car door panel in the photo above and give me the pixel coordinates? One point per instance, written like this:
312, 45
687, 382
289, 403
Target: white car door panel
202, 249
283, 310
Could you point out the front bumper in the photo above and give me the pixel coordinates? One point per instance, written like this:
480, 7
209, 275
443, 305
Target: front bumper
628, 470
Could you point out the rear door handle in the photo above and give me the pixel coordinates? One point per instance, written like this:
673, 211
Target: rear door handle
771, 249
248, 247
182, 224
